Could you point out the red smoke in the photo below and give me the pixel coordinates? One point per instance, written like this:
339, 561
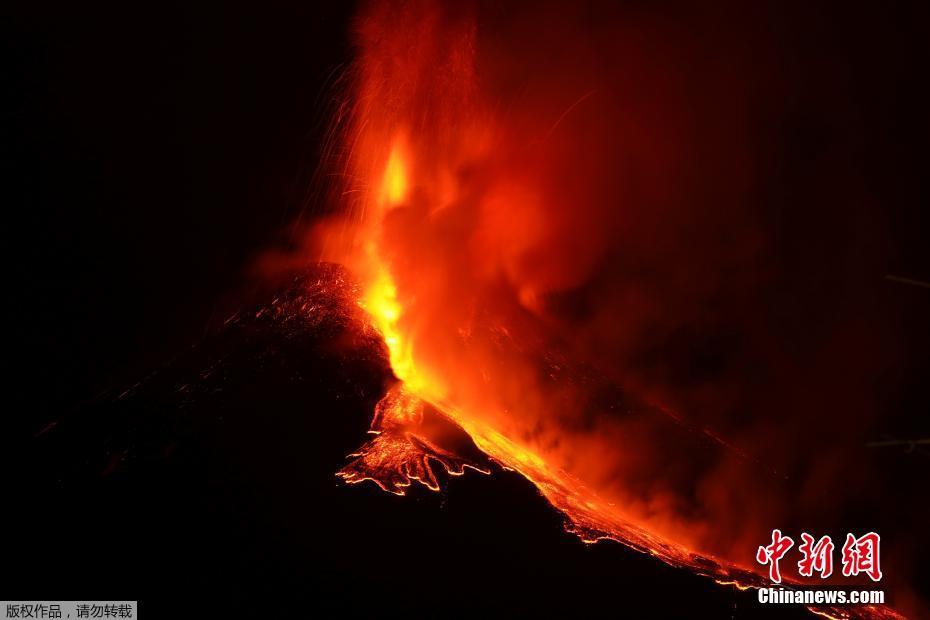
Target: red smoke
546, 201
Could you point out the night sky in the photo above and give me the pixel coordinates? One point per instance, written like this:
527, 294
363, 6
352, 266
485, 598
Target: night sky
152, 154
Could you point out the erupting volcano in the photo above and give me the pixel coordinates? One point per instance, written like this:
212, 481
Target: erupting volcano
469, 308
537, 219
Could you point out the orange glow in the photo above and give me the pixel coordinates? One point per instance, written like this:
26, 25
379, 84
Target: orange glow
394, 185
464, 228
380, 298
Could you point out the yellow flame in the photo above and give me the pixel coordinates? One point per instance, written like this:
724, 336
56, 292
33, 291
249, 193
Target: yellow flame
380, 299
394, 185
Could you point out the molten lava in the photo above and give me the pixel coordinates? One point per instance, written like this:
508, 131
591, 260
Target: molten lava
480, 220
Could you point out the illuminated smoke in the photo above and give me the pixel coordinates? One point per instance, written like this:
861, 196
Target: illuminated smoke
560, 220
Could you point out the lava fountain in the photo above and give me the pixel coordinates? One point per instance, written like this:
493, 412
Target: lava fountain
487, 208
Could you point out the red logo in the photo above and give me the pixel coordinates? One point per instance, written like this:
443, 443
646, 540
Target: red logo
772, 554
817, 557
860, 555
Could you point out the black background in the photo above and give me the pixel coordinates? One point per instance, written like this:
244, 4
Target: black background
153, 153
156, 151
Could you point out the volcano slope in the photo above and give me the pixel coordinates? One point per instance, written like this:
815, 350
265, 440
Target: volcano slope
208, 488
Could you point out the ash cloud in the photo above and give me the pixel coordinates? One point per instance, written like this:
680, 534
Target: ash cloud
671, 197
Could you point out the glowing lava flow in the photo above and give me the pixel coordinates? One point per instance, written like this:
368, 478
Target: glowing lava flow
403, 448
